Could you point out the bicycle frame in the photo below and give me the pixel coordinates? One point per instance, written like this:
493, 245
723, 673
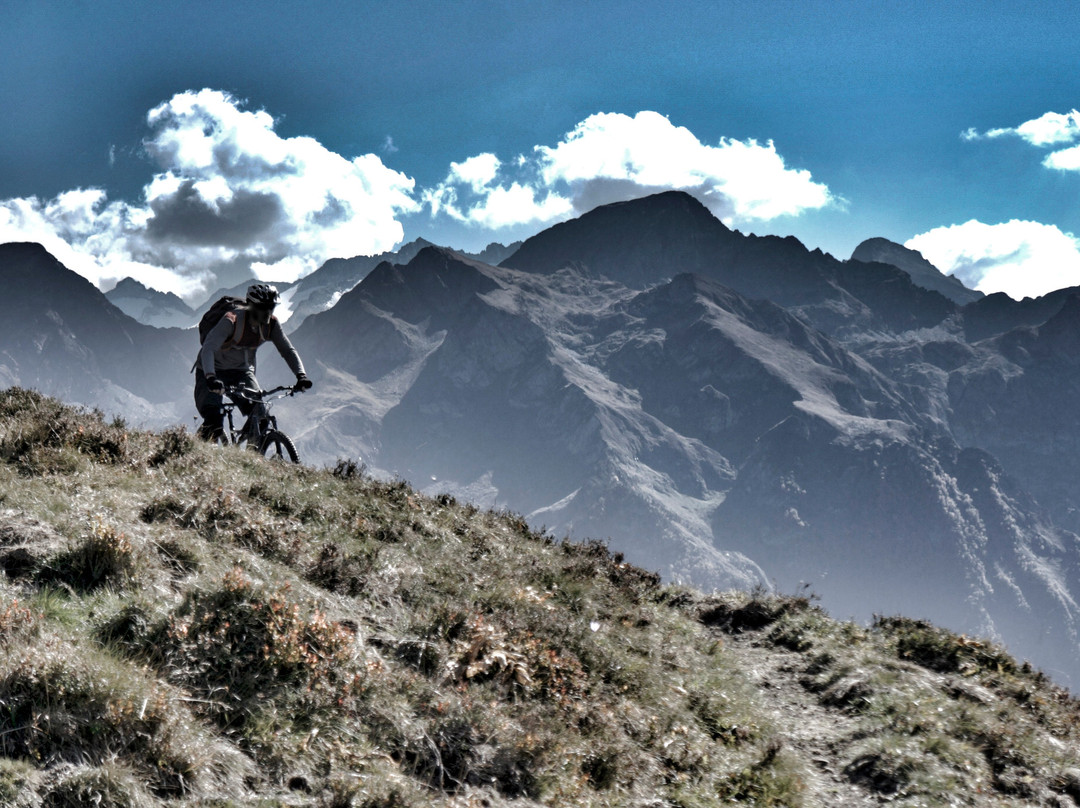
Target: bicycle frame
260, 421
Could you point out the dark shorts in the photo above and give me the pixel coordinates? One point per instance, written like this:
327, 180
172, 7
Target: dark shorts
209, 404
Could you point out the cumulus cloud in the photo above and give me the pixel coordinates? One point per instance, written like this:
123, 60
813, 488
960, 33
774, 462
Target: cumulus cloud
611, 157
1052, 129
231, 197
1020, 258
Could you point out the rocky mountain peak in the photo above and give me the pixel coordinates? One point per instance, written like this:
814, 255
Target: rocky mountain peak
130, 286
636, 242
922, 272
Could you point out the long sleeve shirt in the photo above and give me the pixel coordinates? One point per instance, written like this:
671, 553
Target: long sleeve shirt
220, 351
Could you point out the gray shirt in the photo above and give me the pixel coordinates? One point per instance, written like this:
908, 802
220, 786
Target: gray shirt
219, 352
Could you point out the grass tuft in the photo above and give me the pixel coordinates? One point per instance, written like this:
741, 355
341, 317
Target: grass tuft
105, 556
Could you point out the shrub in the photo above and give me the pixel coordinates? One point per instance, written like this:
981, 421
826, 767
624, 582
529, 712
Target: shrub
941, 650
174, 443
248, 641
104, 556
343, 572
168, 508
42, 436
523, 663
17, 623
347, 469
735, 612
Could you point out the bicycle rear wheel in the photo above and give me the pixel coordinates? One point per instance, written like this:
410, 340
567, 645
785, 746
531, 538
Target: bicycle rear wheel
278, 446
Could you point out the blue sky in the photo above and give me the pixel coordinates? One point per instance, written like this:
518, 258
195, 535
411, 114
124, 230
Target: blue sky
189, 143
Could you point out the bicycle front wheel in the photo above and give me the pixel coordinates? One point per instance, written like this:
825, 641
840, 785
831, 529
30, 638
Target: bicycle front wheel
278, 446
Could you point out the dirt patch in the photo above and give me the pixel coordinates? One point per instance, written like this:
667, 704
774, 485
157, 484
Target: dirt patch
814, 732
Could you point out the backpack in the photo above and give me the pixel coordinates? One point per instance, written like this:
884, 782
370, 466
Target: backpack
216, 312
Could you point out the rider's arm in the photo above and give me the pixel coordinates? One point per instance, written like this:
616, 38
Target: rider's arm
285, 348
218, 336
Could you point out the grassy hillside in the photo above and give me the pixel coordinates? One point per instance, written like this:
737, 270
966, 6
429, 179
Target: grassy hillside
187, 625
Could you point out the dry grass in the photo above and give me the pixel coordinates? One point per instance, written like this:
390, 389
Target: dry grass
186, 624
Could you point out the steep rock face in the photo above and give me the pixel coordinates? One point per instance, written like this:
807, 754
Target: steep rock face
321, 289
635, 243
495, 253
62, 336
379, 325
721, 368
1020, 400
502, 405
997, 313
922, 272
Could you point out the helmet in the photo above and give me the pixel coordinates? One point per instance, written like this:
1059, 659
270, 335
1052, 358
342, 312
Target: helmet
262, 295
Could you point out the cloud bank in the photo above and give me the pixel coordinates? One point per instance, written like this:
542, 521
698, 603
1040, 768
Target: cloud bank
1020, 258
231, 197
610, 157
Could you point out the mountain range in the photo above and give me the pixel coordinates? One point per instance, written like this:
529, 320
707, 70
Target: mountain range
728, 409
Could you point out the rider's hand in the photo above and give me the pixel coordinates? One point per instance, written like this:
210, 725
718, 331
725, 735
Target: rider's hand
215, 386
302, 383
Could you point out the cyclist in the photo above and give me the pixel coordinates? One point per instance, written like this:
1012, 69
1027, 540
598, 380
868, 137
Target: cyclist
227, 356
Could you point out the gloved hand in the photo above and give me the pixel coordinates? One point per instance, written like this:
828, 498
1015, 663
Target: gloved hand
302, 383
215, 386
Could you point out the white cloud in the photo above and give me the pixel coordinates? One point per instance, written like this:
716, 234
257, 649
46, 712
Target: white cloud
1020, 258
610, 157
1049, 129
477, 171
231, 196
1064, 159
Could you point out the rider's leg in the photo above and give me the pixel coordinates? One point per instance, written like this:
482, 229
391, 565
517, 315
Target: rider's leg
209, 406
251, 410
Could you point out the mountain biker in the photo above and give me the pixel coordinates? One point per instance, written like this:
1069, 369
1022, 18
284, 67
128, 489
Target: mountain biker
227, 356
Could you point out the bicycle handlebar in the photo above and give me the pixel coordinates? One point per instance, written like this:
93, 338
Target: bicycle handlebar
259, 395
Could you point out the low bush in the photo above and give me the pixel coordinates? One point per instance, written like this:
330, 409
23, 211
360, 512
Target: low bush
105, 556
174, 443
241, 642
39, 435
942, 650
749, 611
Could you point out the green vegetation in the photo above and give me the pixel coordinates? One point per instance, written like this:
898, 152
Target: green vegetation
182, 624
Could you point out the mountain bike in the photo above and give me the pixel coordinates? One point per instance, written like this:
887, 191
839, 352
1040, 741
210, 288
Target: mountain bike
260, 431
